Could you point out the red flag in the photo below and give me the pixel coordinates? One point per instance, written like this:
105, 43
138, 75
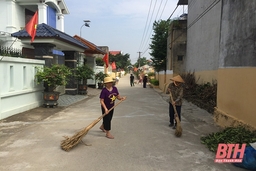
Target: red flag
31, 26
105, 59
113, 65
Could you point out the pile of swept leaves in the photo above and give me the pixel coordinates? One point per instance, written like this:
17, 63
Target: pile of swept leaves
233, 135
204, 95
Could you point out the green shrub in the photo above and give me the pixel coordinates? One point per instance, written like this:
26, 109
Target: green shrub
83, 72
56, 75
202, 95
154, 82
150, 74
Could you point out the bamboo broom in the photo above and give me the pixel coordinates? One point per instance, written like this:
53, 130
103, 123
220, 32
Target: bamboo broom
70, 142
178, 131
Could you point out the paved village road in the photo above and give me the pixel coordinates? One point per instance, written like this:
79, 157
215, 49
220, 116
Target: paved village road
143, 140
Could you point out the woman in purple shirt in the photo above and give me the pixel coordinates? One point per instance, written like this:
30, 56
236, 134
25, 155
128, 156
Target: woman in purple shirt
108, 96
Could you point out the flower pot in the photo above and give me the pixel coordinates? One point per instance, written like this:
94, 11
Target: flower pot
49, 88
100, 85
82, 89
51, 98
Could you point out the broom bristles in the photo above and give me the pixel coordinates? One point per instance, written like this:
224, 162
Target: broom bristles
70, 142
178, 131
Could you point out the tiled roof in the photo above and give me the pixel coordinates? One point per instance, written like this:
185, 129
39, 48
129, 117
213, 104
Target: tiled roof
45, 31
114, 52
93, 49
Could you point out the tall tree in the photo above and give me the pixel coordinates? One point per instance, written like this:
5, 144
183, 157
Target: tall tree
158, 44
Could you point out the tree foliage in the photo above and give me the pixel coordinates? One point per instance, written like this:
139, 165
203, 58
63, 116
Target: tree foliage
158, 44
99, 61
141, 61
122, 61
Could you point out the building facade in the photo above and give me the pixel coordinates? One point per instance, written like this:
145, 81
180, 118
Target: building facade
221, 47
14, 15
50, 46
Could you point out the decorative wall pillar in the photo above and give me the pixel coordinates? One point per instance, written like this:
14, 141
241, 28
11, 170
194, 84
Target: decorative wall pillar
60, 22
10, 17
44, 51
42, 13
71, 59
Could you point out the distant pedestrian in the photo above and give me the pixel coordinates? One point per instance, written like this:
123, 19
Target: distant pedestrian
117, 80
132, 80
140, 80
176, 88
145, 80
122, 73
108, 96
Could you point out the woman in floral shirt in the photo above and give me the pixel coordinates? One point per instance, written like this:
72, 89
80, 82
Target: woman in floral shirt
176, 89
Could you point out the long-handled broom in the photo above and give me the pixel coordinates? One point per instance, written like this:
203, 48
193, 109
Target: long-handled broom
178, 131
70, 142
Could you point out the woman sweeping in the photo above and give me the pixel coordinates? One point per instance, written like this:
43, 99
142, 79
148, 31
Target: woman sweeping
176, 89
108, 96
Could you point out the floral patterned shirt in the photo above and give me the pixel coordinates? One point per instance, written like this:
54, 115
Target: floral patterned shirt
177, 93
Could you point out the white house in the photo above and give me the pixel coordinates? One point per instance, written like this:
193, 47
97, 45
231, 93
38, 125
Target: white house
15, 14
18, 89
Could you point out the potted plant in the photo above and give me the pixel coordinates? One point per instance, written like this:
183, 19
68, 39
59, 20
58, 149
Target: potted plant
99, 77
82, 73
56, 75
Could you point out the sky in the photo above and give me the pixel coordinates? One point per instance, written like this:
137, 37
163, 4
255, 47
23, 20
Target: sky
119, 24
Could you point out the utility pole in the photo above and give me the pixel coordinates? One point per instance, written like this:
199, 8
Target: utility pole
139, 58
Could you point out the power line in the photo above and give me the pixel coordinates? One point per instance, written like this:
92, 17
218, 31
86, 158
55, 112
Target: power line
196, 20
155, 20
163, 8
173, 12
144, 51
145, 25
199, 17
204, 12
167, 19
149, 22
158, 9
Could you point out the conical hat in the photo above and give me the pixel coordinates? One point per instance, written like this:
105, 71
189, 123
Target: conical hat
178, 79
108, 80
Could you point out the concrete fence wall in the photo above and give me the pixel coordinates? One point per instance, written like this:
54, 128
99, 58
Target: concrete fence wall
19, 91
164, 79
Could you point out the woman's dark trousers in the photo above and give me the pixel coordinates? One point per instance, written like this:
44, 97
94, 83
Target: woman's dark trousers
171, 113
